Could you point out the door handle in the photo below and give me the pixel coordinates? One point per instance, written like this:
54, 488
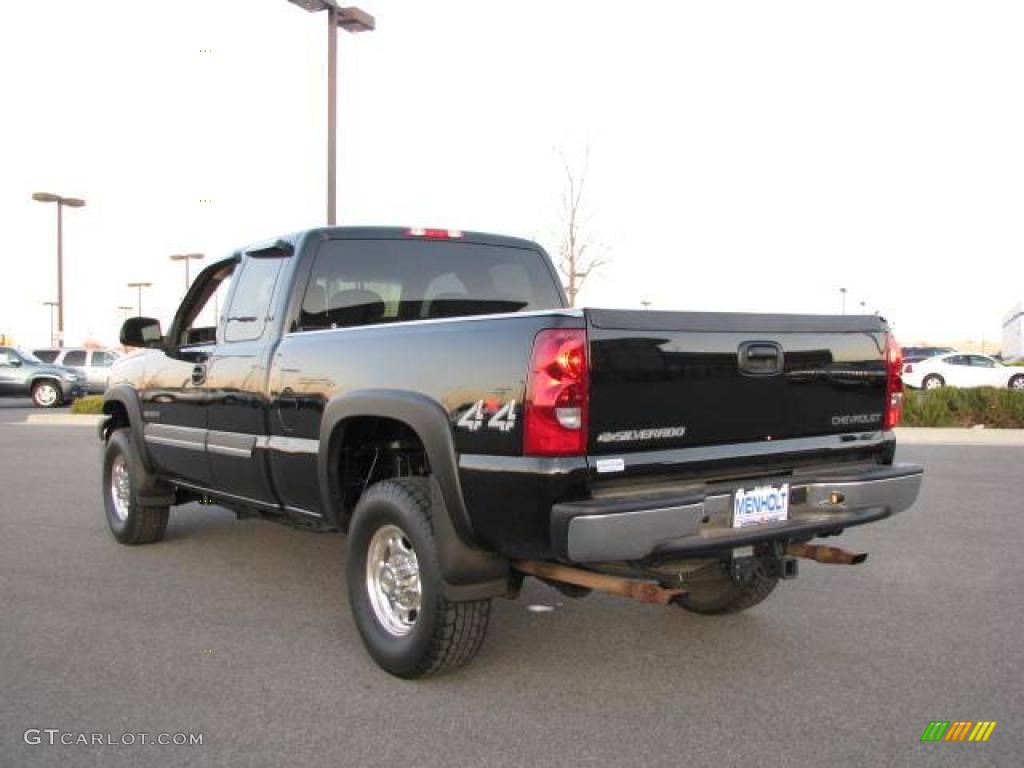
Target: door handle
199, 375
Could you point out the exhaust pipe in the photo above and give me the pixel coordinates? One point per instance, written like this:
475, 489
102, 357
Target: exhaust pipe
829, 555
636, 589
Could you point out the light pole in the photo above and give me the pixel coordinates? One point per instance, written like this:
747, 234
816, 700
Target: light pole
51, 305
351, 20
126, 309
70, 202
843, 292
140, 286
186, 257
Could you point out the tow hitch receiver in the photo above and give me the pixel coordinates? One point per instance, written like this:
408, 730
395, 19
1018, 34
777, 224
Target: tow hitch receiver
830, 555
637, 589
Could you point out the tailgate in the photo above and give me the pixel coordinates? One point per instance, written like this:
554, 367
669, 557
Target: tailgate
663, 380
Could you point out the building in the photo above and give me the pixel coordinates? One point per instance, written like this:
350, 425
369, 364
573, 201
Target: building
1013, 334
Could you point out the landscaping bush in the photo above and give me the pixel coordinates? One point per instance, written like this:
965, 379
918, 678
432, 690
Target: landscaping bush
88, 404
949, 407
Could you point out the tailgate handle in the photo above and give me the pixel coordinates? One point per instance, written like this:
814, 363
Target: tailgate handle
760, 358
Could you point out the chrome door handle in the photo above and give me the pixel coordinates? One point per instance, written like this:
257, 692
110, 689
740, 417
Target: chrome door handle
199, 375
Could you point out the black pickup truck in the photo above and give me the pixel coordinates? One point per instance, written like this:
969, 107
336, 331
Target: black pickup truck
430, 393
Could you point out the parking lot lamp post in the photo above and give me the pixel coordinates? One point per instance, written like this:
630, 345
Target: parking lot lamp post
186, 257
125, 309
51, 305
351, 20
842, 291
139, 286
70, 202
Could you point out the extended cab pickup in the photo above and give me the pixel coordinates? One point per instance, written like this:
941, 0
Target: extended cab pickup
431, 394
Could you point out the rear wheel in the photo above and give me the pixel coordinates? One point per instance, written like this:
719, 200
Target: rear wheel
123, 478
933, 381
718, 593
46, 394
1017, 383
395, 587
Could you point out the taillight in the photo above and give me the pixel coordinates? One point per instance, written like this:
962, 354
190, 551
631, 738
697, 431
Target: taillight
555, 420
893, 384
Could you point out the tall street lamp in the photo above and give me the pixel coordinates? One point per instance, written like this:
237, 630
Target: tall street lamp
186, 257
351, 20
70, 202
140, 286
843, 292
51, 305
125, 309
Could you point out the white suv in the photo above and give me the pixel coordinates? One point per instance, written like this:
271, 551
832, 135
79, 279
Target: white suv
92, 364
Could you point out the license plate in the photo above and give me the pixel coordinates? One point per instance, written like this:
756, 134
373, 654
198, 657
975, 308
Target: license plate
764, 504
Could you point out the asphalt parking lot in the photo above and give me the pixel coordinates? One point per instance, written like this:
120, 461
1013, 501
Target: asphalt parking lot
240, 631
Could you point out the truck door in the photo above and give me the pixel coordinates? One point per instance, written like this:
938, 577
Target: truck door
236, 381
175, 393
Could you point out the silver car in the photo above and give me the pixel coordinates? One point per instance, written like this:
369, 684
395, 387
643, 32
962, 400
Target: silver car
91, 364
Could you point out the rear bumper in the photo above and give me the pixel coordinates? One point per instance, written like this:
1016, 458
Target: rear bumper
700, 523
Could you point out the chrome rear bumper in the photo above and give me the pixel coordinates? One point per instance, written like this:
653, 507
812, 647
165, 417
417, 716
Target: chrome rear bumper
699, 523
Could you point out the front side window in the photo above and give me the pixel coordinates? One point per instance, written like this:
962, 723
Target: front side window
250, 305
74, 357
47, 355
366, 282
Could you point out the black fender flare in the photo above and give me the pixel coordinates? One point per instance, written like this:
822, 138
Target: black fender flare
128, 398
469, 571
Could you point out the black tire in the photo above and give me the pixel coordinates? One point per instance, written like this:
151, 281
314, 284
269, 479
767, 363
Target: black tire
442, 635
1017, 382
717, 593
937, 381
46, 394
131, 523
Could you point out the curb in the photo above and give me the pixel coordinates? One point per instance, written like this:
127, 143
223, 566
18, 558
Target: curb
64, 419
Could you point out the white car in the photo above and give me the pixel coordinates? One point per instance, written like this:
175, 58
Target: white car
960, 370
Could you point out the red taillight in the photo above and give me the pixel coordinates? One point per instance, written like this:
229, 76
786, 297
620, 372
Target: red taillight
435, 234
555, 420
893, 384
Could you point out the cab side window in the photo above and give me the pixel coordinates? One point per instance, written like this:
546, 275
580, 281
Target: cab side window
102, 359
74, 357
250, 304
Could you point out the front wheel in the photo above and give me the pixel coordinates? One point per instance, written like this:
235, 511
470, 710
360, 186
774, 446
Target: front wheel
1017, 383
46, 394
123, 478
395, 587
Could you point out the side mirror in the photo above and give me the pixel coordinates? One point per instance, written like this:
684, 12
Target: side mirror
14, 362
141, 332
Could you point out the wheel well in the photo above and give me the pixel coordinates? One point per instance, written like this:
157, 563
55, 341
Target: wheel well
118, 417
368, 449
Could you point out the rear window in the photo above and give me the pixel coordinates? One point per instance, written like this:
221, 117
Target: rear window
364, 282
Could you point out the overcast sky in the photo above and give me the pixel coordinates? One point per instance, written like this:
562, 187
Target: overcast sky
750, 156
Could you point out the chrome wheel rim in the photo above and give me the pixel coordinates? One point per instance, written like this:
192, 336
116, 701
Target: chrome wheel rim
1017, 384
932, 384
46, 394
393, 580
120, 488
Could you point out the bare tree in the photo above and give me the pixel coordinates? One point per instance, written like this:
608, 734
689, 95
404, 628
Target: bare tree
576, 261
